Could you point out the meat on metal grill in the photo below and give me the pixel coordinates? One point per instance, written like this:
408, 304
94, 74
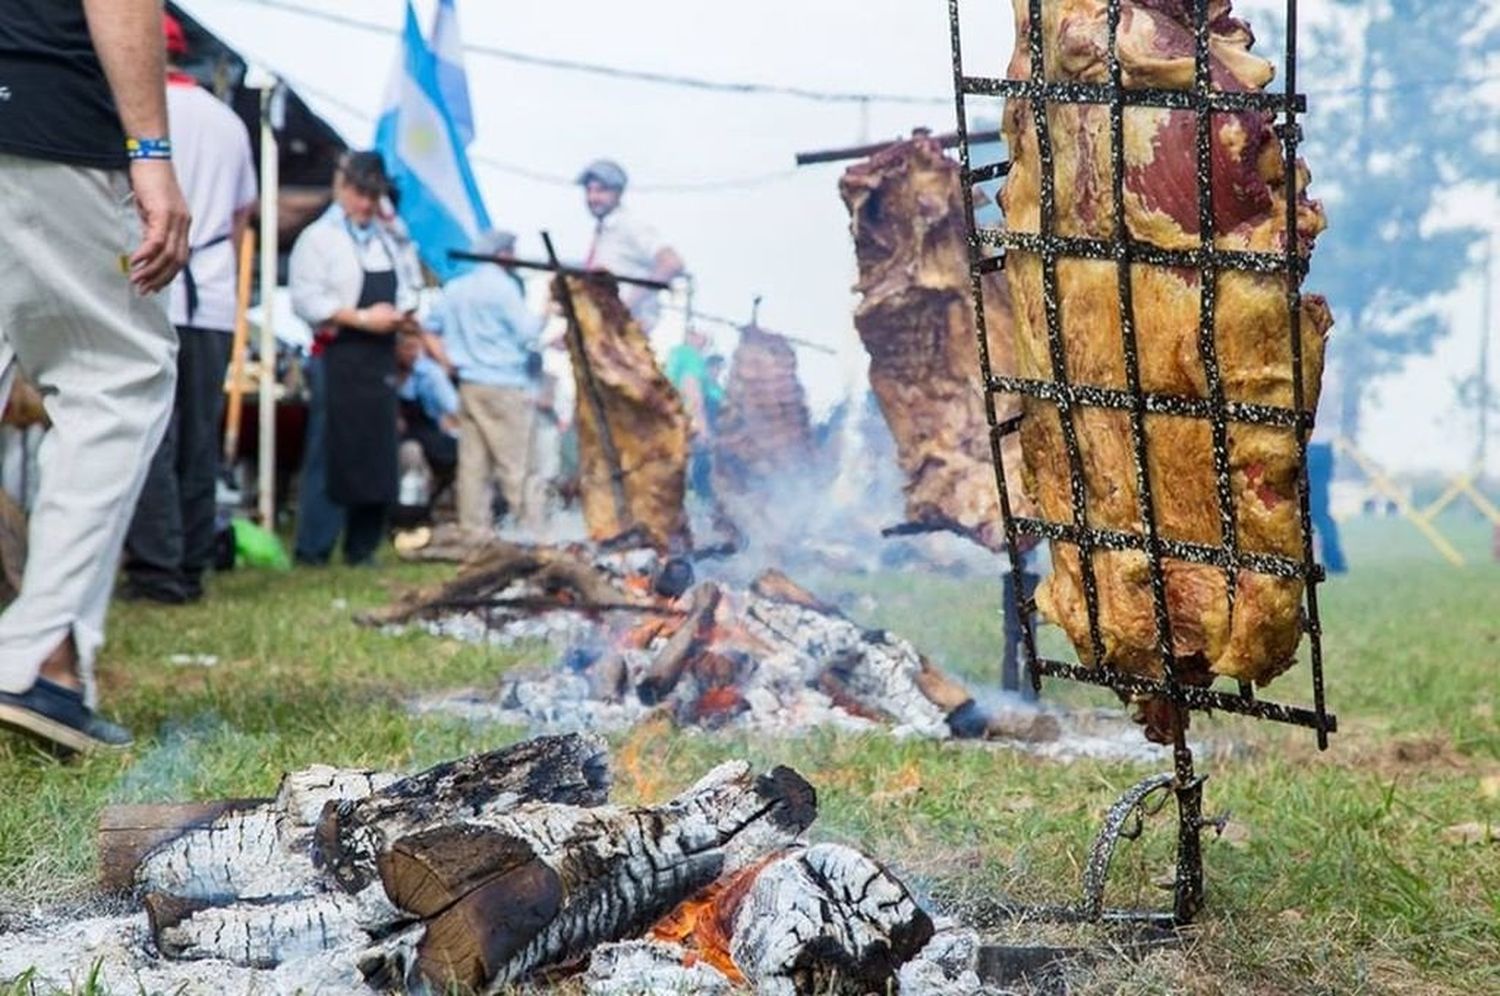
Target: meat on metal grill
1171, 684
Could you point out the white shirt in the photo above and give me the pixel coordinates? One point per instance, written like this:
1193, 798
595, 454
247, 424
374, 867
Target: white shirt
627, 247
211, 153
329, 262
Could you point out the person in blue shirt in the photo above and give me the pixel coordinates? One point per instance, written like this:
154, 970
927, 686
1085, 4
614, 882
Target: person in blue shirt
428, 422
491, 341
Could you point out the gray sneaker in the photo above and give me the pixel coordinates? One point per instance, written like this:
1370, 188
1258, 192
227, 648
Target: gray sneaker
57, 715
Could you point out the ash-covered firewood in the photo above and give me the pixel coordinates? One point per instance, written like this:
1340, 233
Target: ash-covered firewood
764, 437
258, 886
820, 919
351, 834
827, 920
259, 852
645, 428
495, 566
543, 884
1252, 632
916, 320
878, 673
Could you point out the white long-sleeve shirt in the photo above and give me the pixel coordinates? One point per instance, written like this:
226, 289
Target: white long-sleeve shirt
331, 258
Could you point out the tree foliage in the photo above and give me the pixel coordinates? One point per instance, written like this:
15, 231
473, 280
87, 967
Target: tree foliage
1395, 124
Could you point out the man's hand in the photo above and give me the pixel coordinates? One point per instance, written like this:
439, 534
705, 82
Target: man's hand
164, 217
382, 318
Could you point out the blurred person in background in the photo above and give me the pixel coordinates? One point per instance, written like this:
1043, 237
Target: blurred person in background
1320, 470
350, 280
92, 225
171, 539
687, 368
491, 338
624, 244
428, 423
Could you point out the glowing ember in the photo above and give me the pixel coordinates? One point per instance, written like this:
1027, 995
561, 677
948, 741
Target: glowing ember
704, 924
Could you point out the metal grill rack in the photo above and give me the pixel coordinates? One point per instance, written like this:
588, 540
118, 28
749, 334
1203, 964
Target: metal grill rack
1203, 100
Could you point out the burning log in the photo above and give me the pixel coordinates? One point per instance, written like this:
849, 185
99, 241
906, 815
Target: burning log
821, 919
497, 565
916, 320
632, 428
555, 881
688, 642
765, 433
1252, 631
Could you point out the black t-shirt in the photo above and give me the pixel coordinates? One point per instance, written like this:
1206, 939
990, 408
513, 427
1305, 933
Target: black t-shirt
54, 100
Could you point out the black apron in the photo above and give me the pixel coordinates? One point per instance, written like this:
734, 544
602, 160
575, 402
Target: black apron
359, 374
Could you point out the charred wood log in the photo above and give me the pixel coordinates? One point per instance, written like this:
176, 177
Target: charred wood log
302, 874
497, 565
916, 320
627, 412
128, 833
691, 637
571, 770
547, 883
827, 919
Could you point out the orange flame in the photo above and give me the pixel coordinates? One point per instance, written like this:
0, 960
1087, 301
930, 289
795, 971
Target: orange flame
704, 923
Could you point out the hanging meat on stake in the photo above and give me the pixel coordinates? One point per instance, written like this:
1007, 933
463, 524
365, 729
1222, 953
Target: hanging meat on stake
1252, 632
633, 465
916, 320
764, 437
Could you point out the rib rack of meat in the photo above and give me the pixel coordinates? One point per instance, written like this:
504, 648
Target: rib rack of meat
632, 429
1215, 480
916, 320
764, 438
1167, 365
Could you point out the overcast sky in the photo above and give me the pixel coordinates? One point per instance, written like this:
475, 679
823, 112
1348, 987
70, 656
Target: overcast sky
766, 228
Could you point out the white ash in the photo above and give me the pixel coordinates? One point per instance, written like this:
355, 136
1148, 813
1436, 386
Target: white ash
61, 955
651, 968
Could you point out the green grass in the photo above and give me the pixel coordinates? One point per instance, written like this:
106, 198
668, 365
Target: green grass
1335, 878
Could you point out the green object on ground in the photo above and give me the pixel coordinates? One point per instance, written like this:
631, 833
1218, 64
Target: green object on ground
257, 547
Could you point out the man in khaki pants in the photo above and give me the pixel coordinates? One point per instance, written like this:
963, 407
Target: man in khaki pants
92, 224
490, 339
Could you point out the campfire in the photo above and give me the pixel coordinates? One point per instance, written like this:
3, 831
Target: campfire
506, 868
640, 639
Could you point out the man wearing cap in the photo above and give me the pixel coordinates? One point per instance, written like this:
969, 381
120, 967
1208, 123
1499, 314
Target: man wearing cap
92, 224
491, 340
171, 538
350, 280
623, 244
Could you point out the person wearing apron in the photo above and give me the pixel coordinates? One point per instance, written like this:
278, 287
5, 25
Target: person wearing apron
346, 279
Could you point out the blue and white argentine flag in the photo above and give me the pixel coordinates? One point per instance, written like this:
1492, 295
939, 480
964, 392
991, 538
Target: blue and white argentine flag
453, 82
424, 153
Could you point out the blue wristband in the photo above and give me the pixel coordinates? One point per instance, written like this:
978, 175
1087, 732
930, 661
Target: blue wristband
148, 148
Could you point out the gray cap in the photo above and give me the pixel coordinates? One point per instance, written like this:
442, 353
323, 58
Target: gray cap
606, 171
493, 242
